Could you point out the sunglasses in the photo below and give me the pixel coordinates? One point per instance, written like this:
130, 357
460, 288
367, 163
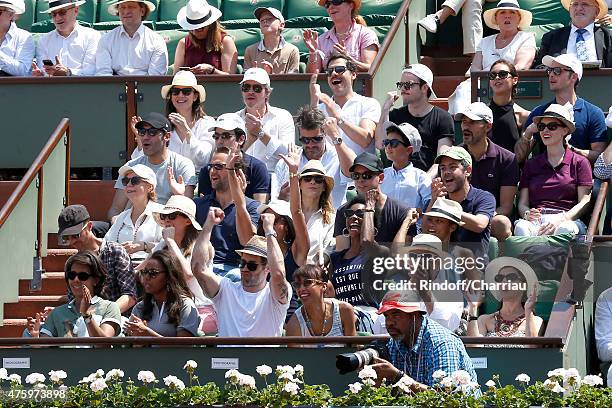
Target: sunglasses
514, 277
317, 179
60, 13
83, 276
250, 265
406, 85
171, 216
150, 131
134, 180
340, 69
550, 126
348, 213
216, 166
184, 91
306, 283
151, 273
334, 2
557, 70
247, 88
64, 239
499, 74
309, 140
224, 135
364, 176
393, 143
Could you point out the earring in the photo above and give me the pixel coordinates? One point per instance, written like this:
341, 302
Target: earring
345, 234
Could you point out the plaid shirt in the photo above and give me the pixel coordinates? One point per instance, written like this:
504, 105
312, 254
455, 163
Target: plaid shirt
602, 170
120, 280
436, 348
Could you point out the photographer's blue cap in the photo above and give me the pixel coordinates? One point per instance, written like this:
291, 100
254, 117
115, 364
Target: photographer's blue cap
402, 301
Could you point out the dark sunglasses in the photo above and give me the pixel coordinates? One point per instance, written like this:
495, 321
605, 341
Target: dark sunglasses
247, 88
309, 140
364, 176
184, 91
557, 70
171, 216
317, 179
83, 276
550, 126
393, 143
334, 2
340, 69
224, 135
406, 85
134, 180
348, 213
150, 131
306, 283
216, 166
151, 273
514, 277
499, 74
251, 266
60, 13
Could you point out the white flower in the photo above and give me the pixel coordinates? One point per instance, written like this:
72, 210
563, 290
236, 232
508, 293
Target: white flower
299, 369
355, 387
264, 370
461, 377
15, 378
523, 378
291, 388
285, 369
490, 384
553, 386
592, 380
35, 378
367, 373
246, 380
571, 373
557, 372
98, 385
447, 382
439, 374
99, 373
404, 384
190, 365
114, 374
146, 377
286, 377
173, 382
232, 374
86, 380
57, 376
63, 387
40, 386
3, 374
558, 389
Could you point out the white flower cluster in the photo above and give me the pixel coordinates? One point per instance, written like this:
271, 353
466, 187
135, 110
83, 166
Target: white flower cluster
553, 386
57, 376
405, 383
523, 378
3, 374
291, 388
147, 377
114, 374
97, 385
174, 383
355, 387
235, 377
190, 365
570, 379
35, 378
367, 375
491, 384
459, 380
264, 370
92, 377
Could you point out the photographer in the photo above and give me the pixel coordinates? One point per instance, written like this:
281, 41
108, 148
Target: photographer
418, 346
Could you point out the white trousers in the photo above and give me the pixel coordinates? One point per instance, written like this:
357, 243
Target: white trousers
471, 21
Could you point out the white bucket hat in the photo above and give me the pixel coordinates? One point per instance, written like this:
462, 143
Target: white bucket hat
425, 243
141, 170
197, 14
185, 79
114, 8
59, 4
523, 267
182, 204
489, 15
601, 4
559, 112
18, 6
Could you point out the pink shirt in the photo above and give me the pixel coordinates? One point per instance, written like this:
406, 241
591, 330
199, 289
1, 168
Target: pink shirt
359, 39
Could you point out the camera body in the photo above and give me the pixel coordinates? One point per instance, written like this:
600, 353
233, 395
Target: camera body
348, 362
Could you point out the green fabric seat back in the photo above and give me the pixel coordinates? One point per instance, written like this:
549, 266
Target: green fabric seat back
379, 19
540, 30
25, 20
295, 37
243, 9
381, 32
168, 9
304, 8
172, 38
104, 16
547, 290
243, 37
87, 12
389, 7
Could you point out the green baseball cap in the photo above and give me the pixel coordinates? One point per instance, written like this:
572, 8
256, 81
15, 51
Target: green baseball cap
457, 153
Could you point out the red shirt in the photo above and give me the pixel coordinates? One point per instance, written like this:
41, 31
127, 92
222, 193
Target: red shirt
195, 55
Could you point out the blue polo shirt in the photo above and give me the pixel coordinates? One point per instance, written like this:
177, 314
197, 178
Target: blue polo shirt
256, 174
224, 237
589, 119
477, 202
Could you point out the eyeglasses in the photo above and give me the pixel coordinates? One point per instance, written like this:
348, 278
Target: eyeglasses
171, 216
348, 213
216, 166
224, 135
499, 74
334, 2
60, 13
184, 91
406, 85
309, 140
305, 283
550, 126
365, 176
134, 180
151, 273
150, 131
267, 20
257, 88
340, 69
557, 70
250, 265
393, 143
317, 179
83, 276
514, 277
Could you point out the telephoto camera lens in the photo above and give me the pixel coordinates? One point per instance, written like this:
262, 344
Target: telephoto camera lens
348, 362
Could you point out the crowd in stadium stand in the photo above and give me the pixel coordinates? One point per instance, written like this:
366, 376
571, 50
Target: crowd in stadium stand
253, 252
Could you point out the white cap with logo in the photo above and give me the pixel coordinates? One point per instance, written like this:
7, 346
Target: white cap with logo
258, 75
229, 121
476, 111
422, 72
567, 60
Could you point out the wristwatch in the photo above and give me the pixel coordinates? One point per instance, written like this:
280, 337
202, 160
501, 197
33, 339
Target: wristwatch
86, 318
340, 122
271, 234
336, 141
260, 134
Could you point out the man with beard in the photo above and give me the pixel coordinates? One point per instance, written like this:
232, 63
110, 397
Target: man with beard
494, 169
454, 171
252, 307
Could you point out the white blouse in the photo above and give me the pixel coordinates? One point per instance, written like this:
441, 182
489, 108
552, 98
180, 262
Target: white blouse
490, 53
319, 234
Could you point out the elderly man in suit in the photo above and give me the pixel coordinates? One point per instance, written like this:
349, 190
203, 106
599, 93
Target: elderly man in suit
581, 38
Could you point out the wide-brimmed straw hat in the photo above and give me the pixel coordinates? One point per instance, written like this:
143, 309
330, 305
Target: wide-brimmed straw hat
114, 8
558, 112
425, 243
489, 15
523, 267
18, 6
601, 4
182, 204
257, 246
197, 14
445, 208
315, 168
185, 79
59, 4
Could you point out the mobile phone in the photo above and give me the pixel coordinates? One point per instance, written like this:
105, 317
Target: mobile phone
48, 62
184, 69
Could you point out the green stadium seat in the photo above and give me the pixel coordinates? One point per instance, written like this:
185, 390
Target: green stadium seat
379, 19
106, 21
239, 13
306, 14
381, 32
542, 29
25, 20
295, 37
243, 37
388, 7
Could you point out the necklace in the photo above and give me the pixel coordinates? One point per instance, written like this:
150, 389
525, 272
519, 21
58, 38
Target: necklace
309, 322
136, 228
507, 328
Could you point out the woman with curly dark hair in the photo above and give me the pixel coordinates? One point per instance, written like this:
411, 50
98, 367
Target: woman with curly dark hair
167, 308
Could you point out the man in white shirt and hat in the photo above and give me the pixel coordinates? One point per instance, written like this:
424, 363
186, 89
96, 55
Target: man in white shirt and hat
70, 49
16, 45
132, 48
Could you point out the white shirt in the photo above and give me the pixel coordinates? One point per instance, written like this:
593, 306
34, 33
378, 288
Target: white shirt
319, 234
278, 124
76, 52
589, 39
603, 325
246, 314
354, 111
145, 229
409, 186
143, 54
17, 52
330, 163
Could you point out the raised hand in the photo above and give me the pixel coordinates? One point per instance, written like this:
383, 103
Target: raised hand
242, 181
311, 38
37, 72
532, 299
253, 124
85, 301
176, 186
438, 189
330, 127
390, 100
215, 216
372, 197
180, 124
267, 221
314, 88
292, 158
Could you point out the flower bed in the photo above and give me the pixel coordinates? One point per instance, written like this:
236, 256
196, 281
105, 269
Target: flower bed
562, 388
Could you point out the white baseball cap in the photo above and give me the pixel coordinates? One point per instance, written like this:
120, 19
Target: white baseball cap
476, 111
409, 132
258, 75
567, 60
229, 121
140, 170
424, 73
275, 12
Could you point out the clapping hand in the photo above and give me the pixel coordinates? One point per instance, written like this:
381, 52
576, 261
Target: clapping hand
292, 158
176, 186
311, 38
85, 301
180, 124
437, 189
253, 124
136, 327
531, 300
